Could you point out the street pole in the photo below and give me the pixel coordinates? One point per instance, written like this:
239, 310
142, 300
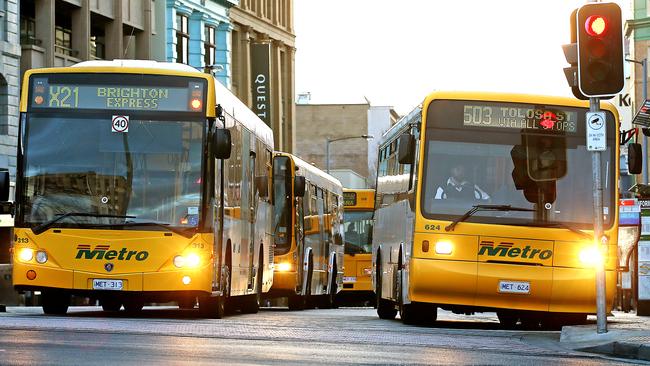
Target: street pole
644, 139
327, 152
601, 244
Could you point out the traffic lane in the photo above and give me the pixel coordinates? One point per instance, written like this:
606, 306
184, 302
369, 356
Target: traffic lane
28, 347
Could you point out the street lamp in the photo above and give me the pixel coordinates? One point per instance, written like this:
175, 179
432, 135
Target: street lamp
329, 141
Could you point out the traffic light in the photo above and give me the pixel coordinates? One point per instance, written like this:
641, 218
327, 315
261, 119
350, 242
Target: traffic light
571, 55
599, 32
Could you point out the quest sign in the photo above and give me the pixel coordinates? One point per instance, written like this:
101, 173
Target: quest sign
261, 80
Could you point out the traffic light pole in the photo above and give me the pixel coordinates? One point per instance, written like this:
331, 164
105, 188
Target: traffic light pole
601, 301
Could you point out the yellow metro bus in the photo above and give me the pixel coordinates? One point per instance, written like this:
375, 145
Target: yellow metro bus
358, 208
308, 214
128, 177
484, 203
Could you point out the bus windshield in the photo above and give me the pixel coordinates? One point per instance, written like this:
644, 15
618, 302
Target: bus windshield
479, 153
76, 163
358, 232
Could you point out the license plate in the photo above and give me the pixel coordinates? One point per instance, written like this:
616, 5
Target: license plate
107, 285
514, 287
349, 279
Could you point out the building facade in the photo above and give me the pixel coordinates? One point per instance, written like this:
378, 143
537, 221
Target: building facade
64, 32
196, 33
263, 64
352, 155
9, 84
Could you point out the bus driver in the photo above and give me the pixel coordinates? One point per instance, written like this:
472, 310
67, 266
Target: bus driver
457, 187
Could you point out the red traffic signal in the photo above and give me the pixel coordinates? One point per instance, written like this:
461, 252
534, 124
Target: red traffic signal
599, 29
596, 25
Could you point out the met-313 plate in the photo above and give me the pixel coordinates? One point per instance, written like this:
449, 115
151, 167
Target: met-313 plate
514, 287
107, 284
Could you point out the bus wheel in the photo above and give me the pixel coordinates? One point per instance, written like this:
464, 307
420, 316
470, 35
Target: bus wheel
296, 302
329, 301
252, 303
186, 303
385, 308
133, 306
55, 303
555, 321
212, 307
111, 304
508, 319
417, 313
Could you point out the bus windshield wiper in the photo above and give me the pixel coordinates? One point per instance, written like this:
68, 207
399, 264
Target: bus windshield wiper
563, 226
477, 208
48, 224
186, 232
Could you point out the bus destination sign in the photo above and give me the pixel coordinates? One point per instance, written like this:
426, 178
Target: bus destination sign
503, 116
112, 97
349, 198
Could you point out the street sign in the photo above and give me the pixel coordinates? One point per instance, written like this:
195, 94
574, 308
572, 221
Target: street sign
643, 115
596, 137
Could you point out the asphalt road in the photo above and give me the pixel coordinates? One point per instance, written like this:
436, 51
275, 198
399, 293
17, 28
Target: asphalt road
88, 336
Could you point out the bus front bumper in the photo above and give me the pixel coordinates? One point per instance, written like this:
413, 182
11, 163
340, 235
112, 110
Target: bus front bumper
479, 284
65, 279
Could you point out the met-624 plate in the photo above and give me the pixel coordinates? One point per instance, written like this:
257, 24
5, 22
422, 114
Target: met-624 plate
514, 287
107, 284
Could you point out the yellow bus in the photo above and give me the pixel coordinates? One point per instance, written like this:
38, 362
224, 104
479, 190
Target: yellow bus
127, 177
308, 212
358, 208
484, 203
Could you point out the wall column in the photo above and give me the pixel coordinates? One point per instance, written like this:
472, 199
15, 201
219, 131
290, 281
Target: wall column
223, 55
114, 34
45, 28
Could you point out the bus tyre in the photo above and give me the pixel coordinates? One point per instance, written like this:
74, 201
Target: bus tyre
252, 303
508, 319
296, 302
55, 303
385, 308
329, 301
133, 306
212, 307
186, 303
418, 313
111, 304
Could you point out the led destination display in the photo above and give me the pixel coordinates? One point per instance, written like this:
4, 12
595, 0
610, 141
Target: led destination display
88, 96
507, 116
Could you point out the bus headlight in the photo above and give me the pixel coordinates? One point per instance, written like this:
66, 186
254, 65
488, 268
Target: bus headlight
41, 256
26, 254
284, 267
191, 260
444, 247
591, 256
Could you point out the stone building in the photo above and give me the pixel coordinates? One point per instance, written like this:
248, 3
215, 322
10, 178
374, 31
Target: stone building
9, 84
263, 59
352, 154
64, 32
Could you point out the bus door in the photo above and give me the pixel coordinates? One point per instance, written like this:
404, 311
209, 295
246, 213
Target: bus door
247, 219
253, 216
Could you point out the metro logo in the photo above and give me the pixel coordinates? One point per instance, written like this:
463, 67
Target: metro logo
507, 250
102, 252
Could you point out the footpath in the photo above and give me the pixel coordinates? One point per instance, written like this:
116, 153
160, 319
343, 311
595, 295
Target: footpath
628, 336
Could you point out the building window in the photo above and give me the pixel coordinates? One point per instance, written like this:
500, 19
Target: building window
28, 31
182, 39
210, 45
63, 40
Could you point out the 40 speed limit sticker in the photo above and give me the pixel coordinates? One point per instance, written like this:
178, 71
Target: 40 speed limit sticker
120, 124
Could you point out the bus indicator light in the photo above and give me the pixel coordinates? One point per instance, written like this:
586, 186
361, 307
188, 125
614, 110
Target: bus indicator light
38, 100
196, 104
31, 275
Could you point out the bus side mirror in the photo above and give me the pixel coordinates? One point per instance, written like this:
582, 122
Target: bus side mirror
4, 185
406, 153
221, 144
299, 186
634, 158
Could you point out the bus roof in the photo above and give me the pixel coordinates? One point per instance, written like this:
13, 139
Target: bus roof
138, 64
416, 113
315, 175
